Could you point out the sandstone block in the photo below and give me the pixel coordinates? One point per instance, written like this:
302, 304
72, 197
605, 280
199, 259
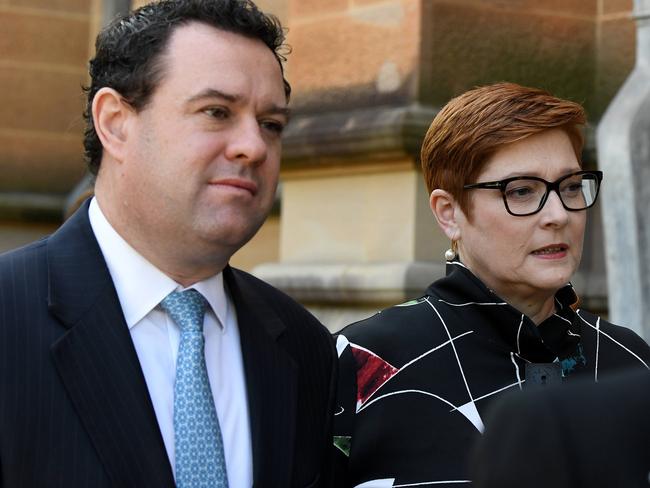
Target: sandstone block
302, 8
264, 247
41, 100
43, 39
469, 45
557, 7
349, 217
71, 6
368, 50
32, 162
617, 6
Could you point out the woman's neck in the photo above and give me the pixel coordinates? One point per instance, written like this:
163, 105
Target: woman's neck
536, 304
537, 311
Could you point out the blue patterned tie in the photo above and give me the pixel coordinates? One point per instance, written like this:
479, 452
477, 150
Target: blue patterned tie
200, 458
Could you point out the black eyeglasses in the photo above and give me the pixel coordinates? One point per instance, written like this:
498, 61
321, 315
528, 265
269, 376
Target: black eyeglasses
526, 195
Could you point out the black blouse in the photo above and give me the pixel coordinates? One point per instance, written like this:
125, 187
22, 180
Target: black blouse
416, 379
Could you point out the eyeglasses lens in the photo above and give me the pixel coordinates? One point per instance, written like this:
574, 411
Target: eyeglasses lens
525, 196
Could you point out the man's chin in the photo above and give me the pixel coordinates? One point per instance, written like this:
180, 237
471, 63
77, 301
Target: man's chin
232, 236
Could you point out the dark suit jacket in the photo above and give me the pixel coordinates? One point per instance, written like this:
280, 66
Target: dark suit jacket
74, 407
571, 436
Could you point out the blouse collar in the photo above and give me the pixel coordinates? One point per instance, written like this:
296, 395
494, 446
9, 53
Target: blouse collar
556, 337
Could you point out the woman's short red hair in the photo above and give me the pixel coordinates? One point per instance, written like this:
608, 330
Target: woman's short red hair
473, 126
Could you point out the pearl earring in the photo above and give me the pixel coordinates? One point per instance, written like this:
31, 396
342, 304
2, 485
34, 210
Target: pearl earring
450, 255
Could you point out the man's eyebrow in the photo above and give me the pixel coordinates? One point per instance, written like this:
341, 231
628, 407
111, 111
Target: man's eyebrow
214, 93
233, 98
276, 110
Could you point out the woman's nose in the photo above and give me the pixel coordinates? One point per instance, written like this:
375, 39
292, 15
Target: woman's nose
554, 212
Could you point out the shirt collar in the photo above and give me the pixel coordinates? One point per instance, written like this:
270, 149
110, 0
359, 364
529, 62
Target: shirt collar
139, 284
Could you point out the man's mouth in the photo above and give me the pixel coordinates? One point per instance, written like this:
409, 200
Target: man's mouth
240, 183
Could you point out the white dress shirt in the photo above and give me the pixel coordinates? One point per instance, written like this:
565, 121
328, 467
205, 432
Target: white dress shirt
140, 288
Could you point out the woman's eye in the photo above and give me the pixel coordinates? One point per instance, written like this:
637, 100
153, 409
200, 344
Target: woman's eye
519, 192
572, 191
572, 188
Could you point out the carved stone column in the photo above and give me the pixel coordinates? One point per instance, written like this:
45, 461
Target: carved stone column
624, 155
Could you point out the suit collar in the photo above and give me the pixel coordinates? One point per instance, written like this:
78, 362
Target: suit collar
77, 272
140, 285
271, 379
251, 301
97, 361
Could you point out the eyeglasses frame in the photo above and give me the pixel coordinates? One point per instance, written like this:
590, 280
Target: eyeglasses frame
550, 185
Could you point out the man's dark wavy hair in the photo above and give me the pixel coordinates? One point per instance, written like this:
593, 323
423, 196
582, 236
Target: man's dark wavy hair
129, 50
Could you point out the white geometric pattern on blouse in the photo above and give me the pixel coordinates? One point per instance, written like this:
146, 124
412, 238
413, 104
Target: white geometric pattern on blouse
200, 460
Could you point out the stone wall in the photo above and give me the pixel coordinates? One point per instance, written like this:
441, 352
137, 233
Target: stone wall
353, 54
368, 76
44, 47
579, 49
354, 232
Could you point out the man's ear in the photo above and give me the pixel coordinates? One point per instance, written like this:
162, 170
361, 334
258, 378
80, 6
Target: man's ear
447, 212
111, 114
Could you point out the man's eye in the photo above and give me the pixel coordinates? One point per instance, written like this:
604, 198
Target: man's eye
273, 126
217, 112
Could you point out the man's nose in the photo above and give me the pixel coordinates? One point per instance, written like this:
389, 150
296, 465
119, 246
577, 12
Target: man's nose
247, 143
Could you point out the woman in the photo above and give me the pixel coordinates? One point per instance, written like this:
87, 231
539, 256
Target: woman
502, 165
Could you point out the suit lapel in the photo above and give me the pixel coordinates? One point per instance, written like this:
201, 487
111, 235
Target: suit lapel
271, 382
97, 361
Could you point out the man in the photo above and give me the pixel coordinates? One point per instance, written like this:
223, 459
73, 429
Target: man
105, 376
569, 436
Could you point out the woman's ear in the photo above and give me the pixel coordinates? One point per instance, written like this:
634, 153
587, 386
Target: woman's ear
447, 212
111, 114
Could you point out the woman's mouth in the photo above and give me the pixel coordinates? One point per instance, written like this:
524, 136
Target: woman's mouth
554, 250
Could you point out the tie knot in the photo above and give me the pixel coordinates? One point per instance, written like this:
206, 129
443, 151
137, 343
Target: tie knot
186, 308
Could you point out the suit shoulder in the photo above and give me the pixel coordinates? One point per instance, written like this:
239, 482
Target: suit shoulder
23, 287
21, 260
271, 293
296, 315
262, 286
27, 250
